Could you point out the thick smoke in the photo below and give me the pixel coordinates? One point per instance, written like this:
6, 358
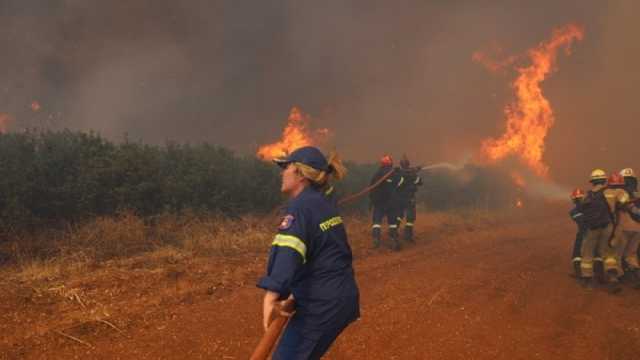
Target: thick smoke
386, 77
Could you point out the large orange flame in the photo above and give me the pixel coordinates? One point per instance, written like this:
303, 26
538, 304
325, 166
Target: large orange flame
295, 135
529, 116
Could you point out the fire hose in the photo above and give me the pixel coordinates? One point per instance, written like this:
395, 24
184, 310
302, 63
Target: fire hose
366, 190
270, 337
355, 196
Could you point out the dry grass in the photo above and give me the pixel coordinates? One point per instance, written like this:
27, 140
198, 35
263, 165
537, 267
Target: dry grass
109, 237
36, 270
169, 239
76, 248
223, 236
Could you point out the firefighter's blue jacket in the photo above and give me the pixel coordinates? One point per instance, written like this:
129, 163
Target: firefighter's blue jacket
311, 258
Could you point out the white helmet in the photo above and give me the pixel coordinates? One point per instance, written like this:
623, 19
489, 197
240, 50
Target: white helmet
628, 172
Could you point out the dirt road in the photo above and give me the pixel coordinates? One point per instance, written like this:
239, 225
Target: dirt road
487, 291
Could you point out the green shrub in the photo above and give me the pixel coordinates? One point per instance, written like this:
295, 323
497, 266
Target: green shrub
57, 178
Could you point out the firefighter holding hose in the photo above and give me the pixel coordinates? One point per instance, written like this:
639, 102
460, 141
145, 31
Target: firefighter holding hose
310, 261
384, 202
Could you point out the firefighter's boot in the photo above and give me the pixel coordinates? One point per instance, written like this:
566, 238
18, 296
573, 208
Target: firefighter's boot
598, 270
395, 241
587, 282
576, 268
408, 233
375, 234
613, 284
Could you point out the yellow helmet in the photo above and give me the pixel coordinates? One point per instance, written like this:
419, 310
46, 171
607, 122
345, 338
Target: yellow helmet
598, 174
628, 172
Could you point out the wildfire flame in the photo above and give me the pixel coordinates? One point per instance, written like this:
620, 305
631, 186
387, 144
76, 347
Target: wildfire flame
296, 134
4, 122
529, 117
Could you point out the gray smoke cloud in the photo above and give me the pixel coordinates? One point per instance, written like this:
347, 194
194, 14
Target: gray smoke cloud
386, 77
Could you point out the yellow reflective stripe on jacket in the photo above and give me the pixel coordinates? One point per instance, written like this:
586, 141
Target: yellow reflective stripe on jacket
328, 191
401, 181
292, 242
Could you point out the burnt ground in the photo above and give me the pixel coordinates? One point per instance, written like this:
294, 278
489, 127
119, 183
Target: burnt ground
486, 290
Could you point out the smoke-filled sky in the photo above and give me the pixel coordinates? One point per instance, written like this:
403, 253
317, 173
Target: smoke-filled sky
385, 76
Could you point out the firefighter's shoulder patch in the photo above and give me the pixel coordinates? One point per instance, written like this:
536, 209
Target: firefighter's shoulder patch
286, 222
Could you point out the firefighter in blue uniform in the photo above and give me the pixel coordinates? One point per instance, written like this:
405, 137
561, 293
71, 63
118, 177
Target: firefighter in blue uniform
384, 202
406, 196
310, 260
577, 216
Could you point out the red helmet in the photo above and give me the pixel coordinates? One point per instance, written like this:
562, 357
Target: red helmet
386, 160
615, 179
577, 194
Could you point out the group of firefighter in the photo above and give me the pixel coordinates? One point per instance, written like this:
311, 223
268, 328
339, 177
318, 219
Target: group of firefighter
608, 220
393, 198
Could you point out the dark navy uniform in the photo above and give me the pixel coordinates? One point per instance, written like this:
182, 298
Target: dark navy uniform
311, 258
385, 205
406, 198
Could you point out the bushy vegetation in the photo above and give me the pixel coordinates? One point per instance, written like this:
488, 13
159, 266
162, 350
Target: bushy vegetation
52, 178
474, 187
